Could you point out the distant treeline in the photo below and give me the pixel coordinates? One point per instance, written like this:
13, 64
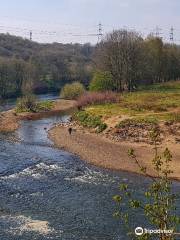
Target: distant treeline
131, 60
27, 65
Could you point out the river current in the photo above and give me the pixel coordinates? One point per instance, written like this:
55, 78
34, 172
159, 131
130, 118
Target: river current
47, 193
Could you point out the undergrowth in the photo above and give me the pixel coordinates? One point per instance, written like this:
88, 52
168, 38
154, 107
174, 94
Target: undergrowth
90, 121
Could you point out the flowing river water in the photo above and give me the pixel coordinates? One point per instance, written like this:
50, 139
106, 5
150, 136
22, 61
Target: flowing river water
47, 193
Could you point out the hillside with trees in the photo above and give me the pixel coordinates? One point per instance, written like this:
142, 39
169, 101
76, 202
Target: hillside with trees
26, 65
122, 61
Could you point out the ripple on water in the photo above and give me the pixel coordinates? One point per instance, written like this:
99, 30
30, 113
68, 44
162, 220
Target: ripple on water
51, 194
37, 171
92, 177
21, 224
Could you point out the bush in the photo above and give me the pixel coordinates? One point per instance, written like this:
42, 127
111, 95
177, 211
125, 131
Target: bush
102, 81
137, 122
72, 91
27, 103
157, 202
101, 127
45, 105
90, 121
96, 98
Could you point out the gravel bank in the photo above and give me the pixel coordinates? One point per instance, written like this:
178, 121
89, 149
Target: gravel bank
9, 120
105, 153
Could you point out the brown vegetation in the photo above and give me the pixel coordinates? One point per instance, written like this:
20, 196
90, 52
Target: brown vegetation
92, 98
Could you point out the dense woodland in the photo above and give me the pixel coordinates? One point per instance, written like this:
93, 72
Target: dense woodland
26, 65
130, 60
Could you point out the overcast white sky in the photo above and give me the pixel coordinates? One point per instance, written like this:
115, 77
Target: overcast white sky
73, 20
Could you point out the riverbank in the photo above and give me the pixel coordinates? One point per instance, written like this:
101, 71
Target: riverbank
98, 150
9, 120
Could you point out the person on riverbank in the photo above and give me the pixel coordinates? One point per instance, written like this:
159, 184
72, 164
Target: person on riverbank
70, 130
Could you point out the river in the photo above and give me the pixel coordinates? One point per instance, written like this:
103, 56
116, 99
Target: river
47, 193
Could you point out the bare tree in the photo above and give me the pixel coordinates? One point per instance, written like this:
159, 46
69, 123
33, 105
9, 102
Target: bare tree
120, 54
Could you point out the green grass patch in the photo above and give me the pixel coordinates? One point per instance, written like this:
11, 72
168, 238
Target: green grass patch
90, 121
168, 117
45, 105
136, 103
172, 86
150, 101
109, 110
151, 104
37, 107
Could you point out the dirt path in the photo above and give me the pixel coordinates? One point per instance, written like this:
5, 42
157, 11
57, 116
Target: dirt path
104, 153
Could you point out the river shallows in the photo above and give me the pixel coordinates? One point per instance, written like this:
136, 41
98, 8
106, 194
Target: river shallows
46, 193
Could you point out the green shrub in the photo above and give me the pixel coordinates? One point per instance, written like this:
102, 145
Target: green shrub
157, 203
45, 105
90, 121
101, 127
72, 91
137, 122
102, 81
27, 103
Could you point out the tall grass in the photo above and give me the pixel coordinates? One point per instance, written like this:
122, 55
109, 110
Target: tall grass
27, 103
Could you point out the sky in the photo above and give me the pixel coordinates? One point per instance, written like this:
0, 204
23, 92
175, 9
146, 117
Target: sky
69, 21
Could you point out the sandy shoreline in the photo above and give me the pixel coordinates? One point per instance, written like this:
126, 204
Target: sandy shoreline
9, 120
103, 152
93, 148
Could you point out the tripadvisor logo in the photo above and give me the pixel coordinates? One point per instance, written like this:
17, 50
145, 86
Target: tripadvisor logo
140, 231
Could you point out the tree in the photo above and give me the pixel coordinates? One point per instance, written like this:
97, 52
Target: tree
120, 54
159, 204
132, 60
154, 50
41, 67
101, 82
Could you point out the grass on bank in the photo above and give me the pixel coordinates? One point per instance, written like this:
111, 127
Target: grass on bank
148, 105
90, 121
45, 105
30, 104
150, 101
172, 86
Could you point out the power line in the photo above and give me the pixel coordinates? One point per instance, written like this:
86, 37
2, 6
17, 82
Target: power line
157, 32
30, 35
100, 33
70, 35
171, 37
